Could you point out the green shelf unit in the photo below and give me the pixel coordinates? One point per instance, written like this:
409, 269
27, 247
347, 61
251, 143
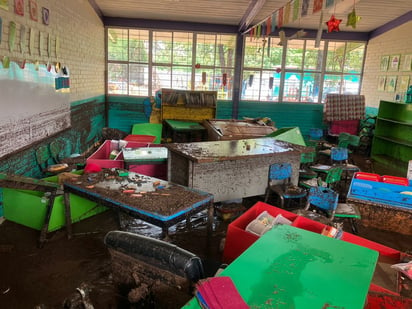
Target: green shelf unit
392, 141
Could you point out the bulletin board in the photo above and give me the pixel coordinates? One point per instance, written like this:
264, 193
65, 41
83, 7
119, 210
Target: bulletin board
31, 108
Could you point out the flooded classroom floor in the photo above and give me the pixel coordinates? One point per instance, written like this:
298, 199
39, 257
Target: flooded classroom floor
57, 275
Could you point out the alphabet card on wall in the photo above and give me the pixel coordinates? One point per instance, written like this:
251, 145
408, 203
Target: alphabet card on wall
31, 41
19, 7
33, 9
41, 43
12, 35
23, 39
4, 4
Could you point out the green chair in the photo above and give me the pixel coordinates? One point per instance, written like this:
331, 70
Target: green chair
332, 178
154, 129
343, 142
306, 160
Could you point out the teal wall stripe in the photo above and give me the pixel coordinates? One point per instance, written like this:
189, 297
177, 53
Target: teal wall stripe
124, 112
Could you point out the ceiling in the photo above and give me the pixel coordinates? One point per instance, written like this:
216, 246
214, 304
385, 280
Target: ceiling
246, 13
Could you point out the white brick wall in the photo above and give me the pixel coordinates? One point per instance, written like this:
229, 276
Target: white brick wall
396, 41
80, 33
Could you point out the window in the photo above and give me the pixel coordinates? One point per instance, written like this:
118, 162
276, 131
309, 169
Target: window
143, 61
307, 73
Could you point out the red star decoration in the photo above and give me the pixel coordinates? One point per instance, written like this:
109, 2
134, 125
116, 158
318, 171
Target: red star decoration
333, 24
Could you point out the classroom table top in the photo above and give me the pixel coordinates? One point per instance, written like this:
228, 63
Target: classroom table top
289, 267
147, 198
179, 125
233, 149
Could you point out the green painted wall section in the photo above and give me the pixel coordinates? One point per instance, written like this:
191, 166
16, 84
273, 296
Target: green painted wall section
87, 121
124, 112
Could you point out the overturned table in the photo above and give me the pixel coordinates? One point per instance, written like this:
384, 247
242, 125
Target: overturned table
230, 169
153, 200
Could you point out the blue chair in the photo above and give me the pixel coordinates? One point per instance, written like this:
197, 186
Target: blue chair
279, 182
323, 206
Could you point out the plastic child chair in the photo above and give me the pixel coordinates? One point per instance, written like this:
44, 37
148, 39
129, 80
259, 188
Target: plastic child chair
333, 176
279, 182
306, 160
320, 205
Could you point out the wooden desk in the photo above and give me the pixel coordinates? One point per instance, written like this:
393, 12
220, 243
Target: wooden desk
289, 267
114, 191
230, 169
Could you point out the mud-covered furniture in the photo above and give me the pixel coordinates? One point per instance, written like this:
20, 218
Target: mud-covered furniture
385, 202
153, 200
279, 184
230, 169
145, 265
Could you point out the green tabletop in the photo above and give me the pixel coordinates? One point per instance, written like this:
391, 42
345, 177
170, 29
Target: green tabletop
184, 125
289, 267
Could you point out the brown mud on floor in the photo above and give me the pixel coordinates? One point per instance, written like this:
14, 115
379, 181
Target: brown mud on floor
31, 276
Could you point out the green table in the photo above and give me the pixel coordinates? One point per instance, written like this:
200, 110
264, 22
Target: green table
290, 267
184, 131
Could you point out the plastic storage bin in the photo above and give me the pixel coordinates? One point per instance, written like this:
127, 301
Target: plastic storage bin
28, 208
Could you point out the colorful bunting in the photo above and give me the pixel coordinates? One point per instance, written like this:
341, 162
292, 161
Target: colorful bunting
305, 8
329, 3
286, 14
268, 25
280, 18
317, 6
274, 21
296, 6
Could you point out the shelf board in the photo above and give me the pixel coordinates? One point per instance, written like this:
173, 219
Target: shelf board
395, 140
395, 121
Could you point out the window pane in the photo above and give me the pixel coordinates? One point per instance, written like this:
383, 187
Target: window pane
253, 53
181, 77
270, 86
351, 84
205, 79
331, 84
117, 44
310, 87
162, 77
139, 46
138, 79
162, 47
313, 56
291, 88
250, 85
117, 78
354, 57
335, 57
182, 48
225, 50
205, 49
294, 54
272, 57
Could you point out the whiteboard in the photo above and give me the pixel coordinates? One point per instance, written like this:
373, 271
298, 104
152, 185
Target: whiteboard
30, 107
